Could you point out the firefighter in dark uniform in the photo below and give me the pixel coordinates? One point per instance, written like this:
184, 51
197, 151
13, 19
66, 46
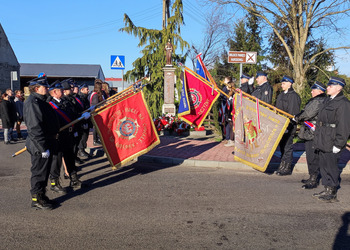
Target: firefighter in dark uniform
42, 126
331, 134
65, 112
288, 101
308, 118
264, 90
229, 89
78, 109
84, 97
247, 83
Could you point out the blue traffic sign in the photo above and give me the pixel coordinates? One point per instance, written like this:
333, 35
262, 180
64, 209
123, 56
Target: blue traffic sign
117, 62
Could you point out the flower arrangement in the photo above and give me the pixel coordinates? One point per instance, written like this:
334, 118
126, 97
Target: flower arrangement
171, 123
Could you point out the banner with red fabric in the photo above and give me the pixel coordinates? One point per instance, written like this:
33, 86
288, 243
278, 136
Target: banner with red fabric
201, 97
126, 129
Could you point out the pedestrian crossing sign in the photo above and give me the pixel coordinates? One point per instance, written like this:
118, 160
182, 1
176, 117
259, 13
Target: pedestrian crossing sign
117, 62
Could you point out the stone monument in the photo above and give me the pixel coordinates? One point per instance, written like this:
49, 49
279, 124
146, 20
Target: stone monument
169, 82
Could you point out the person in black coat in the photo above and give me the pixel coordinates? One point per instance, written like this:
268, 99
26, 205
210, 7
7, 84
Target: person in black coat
83, 95
308, 118
42, 126
264, 90
247, 83
8, 117
288, 101
331, 135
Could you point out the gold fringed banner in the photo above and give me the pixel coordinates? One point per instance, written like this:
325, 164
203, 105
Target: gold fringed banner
256, 147
126, 129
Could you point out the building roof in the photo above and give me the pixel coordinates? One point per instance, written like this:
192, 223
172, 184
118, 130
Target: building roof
62, 70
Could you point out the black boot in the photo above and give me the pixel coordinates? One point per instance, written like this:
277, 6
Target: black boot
312, 183
75, 183
56, 186
280, 167
316, 195
306, 180
287, 170
330, 196
40, 201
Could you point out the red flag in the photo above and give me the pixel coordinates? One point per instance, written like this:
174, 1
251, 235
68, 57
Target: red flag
126, 129
200, 98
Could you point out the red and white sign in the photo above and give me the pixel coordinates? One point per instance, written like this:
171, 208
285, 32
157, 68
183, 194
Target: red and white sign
242, 57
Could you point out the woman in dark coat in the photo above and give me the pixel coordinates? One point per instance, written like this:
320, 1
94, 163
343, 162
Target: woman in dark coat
8, 117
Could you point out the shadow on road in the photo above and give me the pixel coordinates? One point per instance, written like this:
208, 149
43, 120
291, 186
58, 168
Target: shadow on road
342, 239
108, 177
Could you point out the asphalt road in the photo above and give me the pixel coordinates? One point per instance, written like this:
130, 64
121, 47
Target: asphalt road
146, 206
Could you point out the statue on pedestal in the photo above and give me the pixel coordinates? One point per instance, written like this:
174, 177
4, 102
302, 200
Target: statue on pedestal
169, 51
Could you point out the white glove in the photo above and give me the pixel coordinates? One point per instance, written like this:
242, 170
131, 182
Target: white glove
75, 134
336, 150
286, 132
293, 119
86, 115
85, 126
251, 81
45, 154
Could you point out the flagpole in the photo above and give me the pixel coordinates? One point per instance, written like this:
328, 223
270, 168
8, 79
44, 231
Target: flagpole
244, 93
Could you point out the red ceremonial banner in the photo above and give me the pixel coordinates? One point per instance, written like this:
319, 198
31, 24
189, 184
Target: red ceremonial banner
201, 97
126, 129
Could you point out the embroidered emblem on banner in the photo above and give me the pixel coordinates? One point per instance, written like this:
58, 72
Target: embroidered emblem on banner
127, 128
196, 98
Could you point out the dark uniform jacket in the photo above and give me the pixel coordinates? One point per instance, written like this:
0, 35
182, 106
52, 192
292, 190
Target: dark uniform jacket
309, 114
86, 103
333, 124
263, 92
245, 87
8, 115
42, 124
289, 102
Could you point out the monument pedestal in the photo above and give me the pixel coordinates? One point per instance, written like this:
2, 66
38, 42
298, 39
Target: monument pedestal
169, 90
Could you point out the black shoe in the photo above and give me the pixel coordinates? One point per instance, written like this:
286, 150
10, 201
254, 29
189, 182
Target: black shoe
39, 201
329, 196
312, 183
97, 143
75, 183
13, 139
56, 187
7, 142
316, 195
286, 170
304, 181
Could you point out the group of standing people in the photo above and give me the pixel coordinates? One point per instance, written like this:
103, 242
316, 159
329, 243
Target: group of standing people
46, 111
11, 114
325, 126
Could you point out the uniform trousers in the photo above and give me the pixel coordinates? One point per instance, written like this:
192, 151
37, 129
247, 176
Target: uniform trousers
312, 158
329, 168
66, 151
229, 130
286, 146
40, 173
85, 135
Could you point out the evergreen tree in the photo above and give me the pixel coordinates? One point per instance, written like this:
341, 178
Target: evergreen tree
153, 59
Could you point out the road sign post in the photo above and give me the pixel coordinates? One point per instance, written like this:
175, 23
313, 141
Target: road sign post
118, 62
242, 57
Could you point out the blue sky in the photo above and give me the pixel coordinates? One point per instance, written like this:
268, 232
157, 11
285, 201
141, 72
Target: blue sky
87, 32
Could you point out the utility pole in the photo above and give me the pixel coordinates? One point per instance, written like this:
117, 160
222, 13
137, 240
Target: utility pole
166, 13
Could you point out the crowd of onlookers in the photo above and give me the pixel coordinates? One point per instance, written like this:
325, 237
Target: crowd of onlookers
11, 114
